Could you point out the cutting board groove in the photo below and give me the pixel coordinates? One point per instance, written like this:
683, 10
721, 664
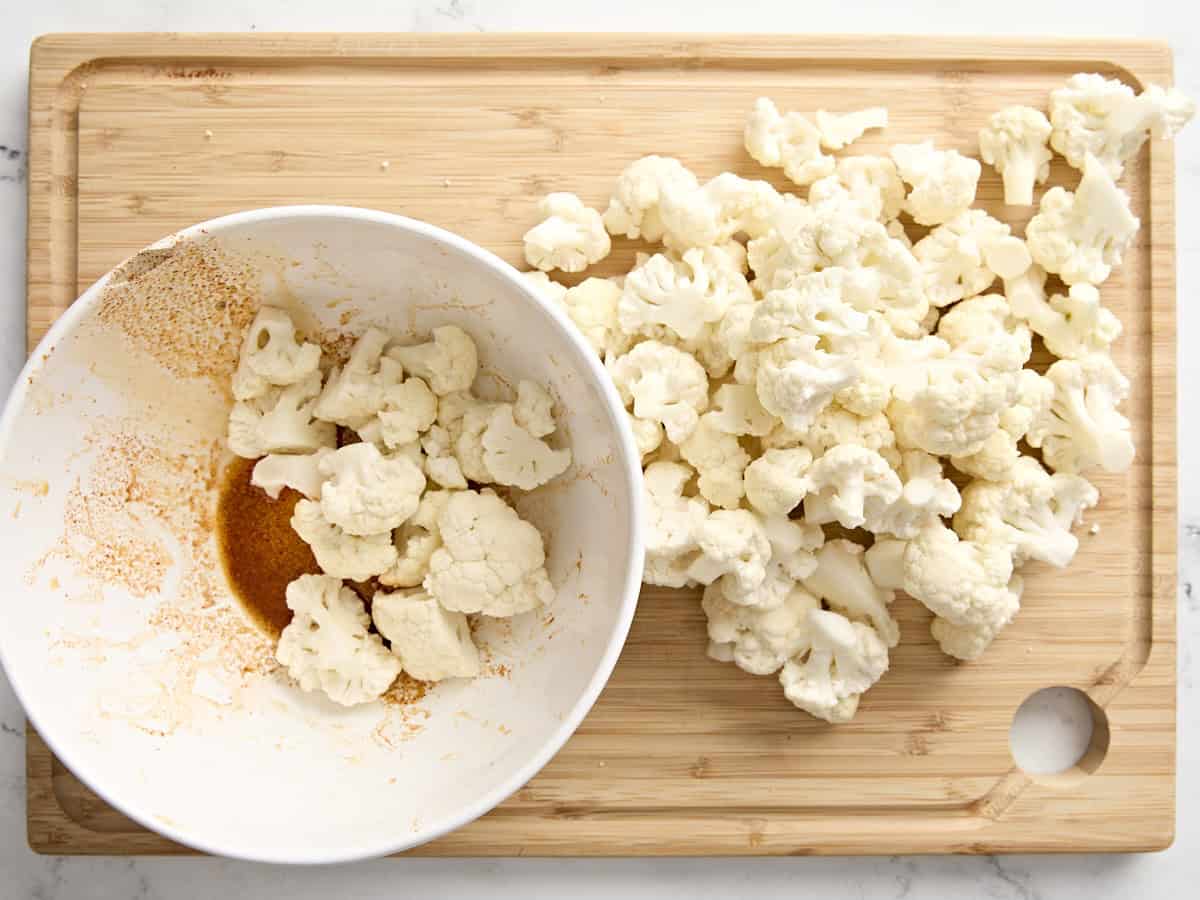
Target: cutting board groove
135, 136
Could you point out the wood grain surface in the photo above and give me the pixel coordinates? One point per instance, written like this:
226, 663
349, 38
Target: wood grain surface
135, 136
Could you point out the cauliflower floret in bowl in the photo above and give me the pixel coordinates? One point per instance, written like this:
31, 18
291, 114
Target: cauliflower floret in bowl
162, 672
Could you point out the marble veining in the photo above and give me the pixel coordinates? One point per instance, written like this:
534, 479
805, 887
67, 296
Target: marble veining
1170, 874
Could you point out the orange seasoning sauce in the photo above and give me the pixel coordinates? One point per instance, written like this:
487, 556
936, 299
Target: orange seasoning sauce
260, 552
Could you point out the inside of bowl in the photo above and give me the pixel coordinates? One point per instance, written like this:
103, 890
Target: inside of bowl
122, 638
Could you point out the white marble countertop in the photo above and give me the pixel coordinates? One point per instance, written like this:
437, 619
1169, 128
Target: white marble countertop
25, 875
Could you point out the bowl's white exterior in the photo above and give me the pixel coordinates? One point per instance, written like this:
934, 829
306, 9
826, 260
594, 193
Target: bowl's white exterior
260, 770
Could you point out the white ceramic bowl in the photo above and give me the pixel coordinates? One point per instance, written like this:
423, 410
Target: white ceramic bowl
120, 636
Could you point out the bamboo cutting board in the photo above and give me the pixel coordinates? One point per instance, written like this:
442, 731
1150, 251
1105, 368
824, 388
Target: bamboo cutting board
135, 136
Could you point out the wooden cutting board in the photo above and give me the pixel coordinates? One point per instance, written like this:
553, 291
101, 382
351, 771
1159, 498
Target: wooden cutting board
134, 136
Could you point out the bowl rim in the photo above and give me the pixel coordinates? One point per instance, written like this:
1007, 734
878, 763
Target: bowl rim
629, 458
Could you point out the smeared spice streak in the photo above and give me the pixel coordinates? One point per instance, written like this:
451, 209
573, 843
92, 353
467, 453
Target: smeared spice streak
260, 552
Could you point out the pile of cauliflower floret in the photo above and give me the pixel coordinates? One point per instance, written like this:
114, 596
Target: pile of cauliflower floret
794, 368
396, 499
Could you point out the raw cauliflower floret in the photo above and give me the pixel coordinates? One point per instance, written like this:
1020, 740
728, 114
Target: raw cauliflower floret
1082, 428
720, 461
835, 426
1095, 115
633, 210
1071, 325
356, 391
889, 365
327, 646
546, 287
1080, 236
570, 237
790, 142
794, 545
1034, 512
943, 181
366, 492
713, 214
340, 554
757, 640
592, 306
927, 495
647, 436
737, 410
441, 466
683, 294
432, 643
280, 421
984, 330
811, 305
448, 363
957, 257
409, 409
839, 131
775, 482
796, 379
874, 184
968, 585
533, 409
514, 456
665, 385
995, 458
298, 471
467, 434
271, 355
673, 523
846, 659
491, 561
1014, 141
841, 579
415, 542
733, 546
851, 485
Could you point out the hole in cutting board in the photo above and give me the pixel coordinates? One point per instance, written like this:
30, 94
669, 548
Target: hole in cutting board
1058, 733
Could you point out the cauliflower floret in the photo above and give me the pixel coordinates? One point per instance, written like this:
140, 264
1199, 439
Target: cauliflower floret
634, 208
994, 459
448, 363
1080, 236
271, 355
757, 640
300, 472
1082, 427
775, 482
1095, 115
795, 379
355, 392
957, 257
968, 585
467, 434
340, 554
665, 385
954, 411
415, 542
889, 364
684, 294
592, 306
673, 523
713, 214
839, 131
1033, 512
874, 184
431, 643
366, 492
943, 181
841, 579
1072, 325
280, 421
491, 561
846, 659
720, 461
409, 409
794, 545
984, 330
327, 646
534, 408
570, 237
736, 410
812, 305
647, 435
734, 547
546, 287
851, 485
513, 456
790, 142
441, 466
835, 426
927, 495
1014, 141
